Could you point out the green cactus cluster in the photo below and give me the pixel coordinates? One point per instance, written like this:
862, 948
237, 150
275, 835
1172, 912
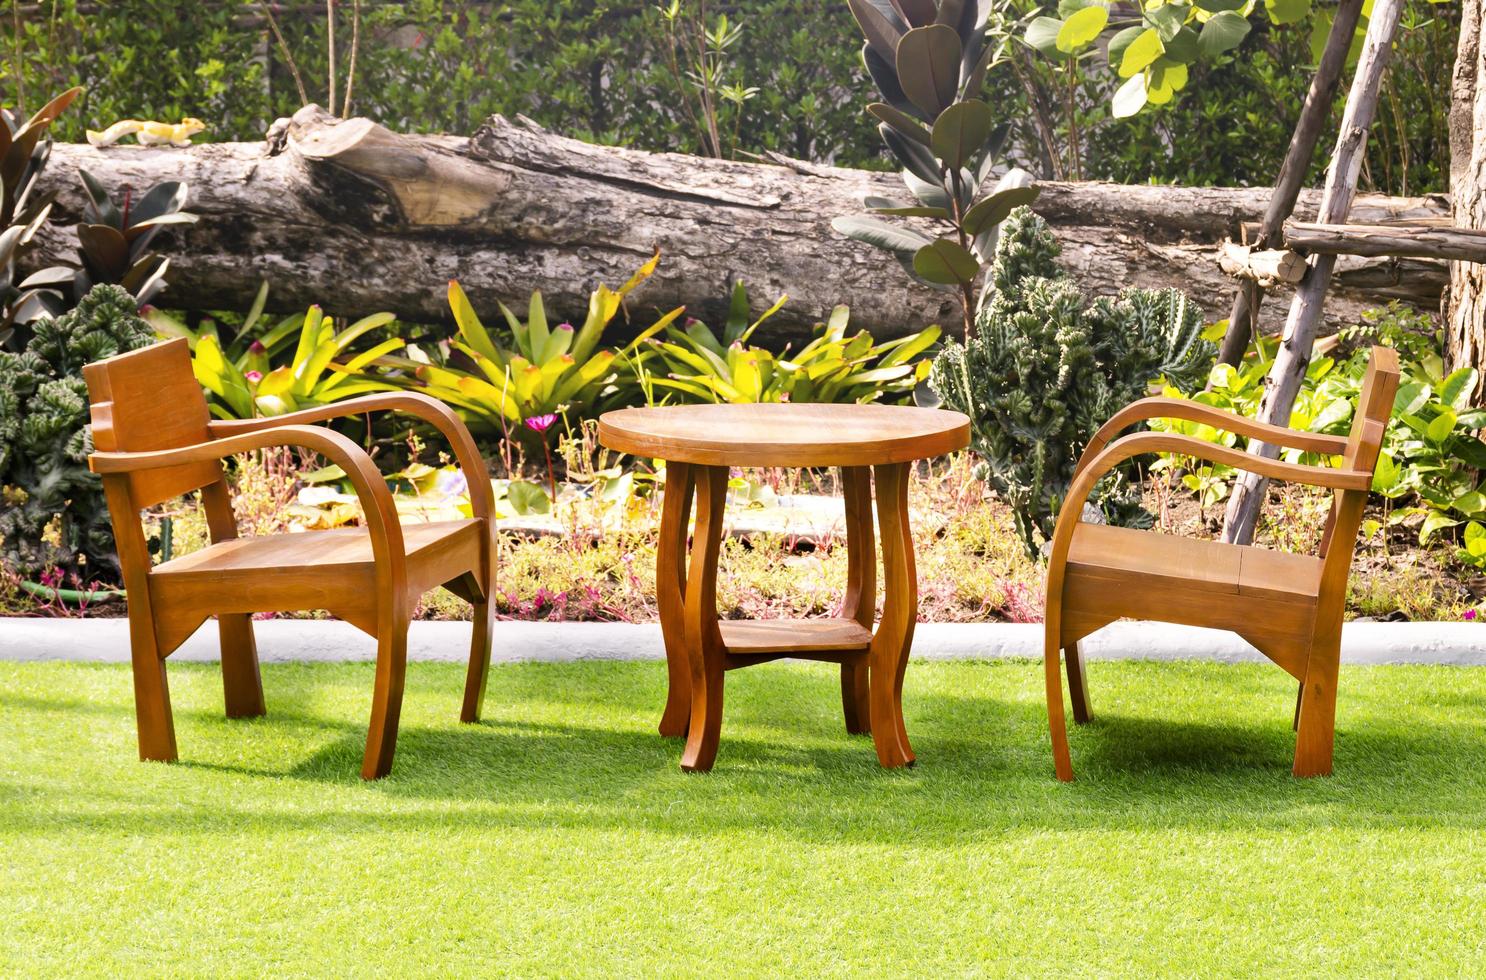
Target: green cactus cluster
52, 511
1045, 369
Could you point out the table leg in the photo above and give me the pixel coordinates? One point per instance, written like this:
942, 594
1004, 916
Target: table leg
861, 592
670, 595
894, 635
703, 639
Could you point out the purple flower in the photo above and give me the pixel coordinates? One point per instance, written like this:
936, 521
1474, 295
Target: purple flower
541, 423
253, 377
1470, 614
256, 347
451, 483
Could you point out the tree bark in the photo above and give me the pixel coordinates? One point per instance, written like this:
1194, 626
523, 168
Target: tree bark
1301, 327
1465, 331
360, 219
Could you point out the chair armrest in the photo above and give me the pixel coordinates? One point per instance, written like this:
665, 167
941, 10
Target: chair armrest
431, 410
1140, 443
371, 489
1190, 411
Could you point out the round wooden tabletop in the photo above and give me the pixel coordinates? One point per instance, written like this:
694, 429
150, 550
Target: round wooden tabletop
785, 435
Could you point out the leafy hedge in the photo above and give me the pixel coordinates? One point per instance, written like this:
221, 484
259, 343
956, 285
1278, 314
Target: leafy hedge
596, 69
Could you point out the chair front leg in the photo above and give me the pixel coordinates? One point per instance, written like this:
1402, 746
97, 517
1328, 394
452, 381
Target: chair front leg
1315, 730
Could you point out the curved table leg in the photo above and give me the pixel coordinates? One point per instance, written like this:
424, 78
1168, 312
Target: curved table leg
670, 595
894, 635
861, 592
703, 639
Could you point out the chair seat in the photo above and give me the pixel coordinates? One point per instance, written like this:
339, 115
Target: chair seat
1268, 597
1168, 561
313, 569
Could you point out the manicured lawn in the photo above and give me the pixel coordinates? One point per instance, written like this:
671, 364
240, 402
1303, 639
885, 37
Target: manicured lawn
559, 837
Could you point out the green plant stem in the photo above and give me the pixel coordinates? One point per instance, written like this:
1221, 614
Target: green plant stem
74, 596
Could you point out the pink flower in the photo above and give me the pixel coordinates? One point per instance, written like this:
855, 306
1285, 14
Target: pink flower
256, 347
565, 326
1470, 615
253, 377
541, 423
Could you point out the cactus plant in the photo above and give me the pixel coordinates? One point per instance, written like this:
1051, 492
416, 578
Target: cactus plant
53, 514
1045, 370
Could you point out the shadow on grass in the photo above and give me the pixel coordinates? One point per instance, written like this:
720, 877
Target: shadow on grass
574, 746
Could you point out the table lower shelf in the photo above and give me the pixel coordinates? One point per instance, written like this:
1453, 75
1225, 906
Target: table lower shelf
785, 636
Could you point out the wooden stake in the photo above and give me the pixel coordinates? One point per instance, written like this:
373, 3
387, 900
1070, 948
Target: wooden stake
1313, 117
1294, 355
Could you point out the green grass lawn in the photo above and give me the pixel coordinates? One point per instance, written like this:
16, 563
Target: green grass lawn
559, 837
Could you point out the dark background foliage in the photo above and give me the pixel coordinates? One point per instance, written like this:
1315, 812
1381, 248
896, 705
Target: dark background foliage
597, 70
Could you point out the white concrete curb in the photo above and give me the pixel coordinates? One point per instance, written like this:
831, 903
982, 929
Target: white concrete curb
107, 641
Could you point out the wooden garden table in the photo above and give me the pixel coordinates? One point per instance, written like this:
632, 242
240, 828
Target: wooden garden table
700, 443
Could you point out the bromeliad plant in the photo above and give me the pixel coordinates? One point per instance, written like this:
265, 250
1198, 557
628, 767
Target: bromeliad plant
113, 244
544, 370
696, 364
929, 59
321, 366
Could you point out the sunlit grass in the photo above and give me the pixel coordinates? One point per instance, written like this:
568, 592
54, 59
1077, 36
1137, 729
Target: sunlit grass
559, 838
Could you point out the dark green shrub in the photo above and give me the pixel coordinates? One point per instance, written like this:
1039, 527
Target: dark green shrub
1045, 370
54, 515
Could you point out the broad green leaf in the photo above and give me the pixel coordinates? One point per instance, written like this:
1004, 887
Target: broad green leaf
944, 261
962, 129
1184, 48
1440, 428
1129, 98
1223, 32
879, 233
1456, 390
1140, 54
928, 63
1121, 41
914, 212
900, 121
1042, 34
528, 498
1287, 11
1163, 80
1081, 29
1435, 522
994, 209
1168, 19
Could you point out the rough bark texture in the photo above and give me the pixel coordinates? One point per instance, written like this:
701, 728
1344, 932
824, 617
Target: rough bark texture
348, 214
1465, 333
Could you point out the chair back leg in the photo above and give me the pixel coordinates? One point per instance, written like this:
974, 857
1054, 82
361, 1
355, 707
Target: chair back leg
242, 684
1315, 730
483, 623
1078, 684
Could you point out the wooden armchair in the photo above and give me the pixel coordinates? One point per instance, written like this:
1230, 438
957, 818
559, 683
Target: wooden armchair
1288, 606
155, 441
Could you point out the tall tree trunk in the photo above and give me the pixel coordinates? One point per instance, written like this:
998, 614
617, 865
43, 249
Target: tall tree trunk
1465, 333
1294, 355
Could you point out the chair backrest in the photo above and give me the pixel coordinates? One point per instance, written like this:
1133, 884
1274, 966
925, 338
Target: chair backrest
1364, 443
147, 400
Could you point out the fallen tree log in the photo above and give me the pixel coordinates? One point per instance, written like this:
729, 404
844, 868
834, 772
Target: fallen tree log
360, 219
